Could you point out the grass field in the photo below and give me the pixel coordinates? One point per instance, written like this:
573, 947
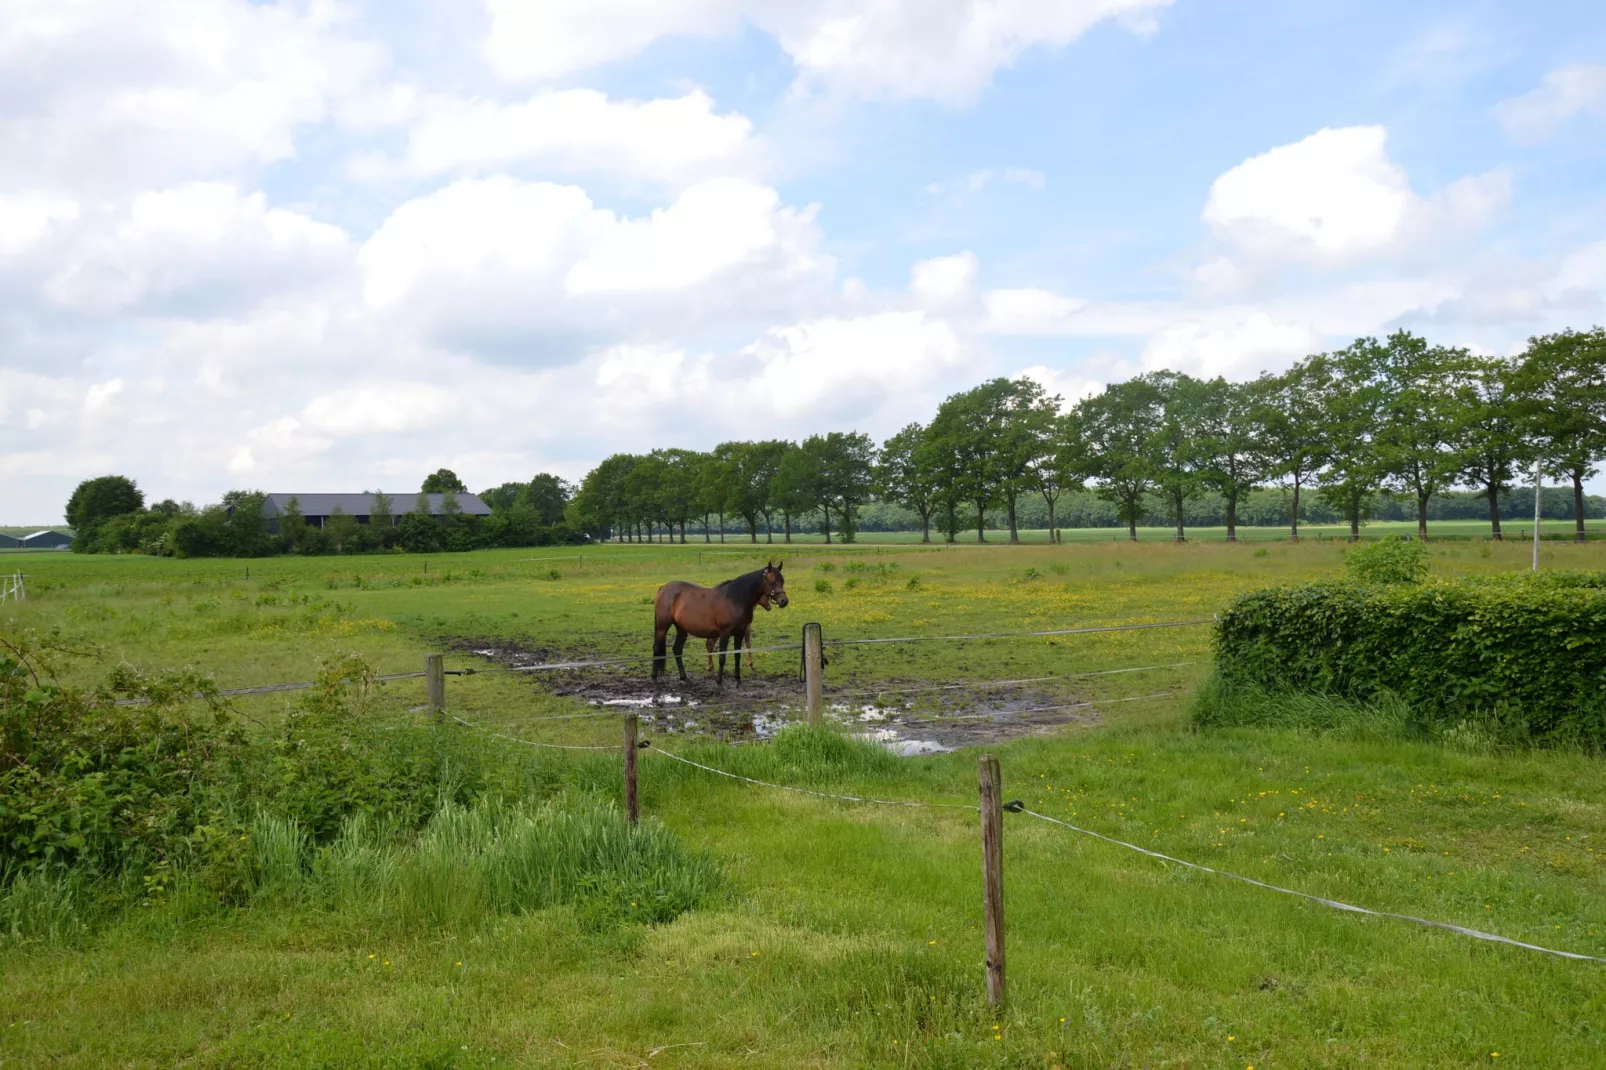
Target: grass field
850, 935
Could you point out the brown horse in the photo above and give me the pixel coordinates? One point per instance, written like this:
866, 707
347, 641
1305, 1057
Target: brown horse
718, 613
746, 637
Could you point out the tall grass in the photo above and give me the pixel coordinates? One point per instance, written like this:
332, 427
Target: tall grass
470, 864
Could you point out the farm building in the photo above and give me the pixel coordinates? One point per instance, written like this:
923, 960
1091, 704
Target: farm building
318, 508
9, 542
47, 540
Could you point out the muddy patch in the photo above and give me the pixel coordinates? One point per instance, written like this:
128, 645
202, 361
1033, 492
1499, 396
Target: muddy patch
906, 717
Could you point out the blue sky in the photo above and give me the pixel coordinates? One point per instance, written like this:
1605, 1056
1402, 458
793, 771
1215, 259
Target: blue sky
323, 245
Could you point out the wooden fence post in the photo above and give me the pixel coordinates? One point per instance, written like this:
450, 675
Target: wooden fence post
813, 671
992, 864
631, 806
435, 681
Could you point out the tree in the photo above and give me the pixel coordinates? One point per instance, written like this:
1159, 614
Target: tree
711, 479
1026, 414
1287, 411
837, 473
550, 497
1058, 467
1117, 427
600, 500
961, 445
505, 496
1352, 406
1424, 396
1562, 381
442, 481
905, 478
380, 516
766, 469
793, 491
749, 469
1226, 448
1488, 441
343, 530
642, 484
99, 499
677, 489
292, 525
1174, 448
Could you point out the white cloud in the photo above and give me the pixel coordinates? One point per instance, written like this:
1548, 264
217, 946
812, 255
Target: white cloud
27, 216
1565, 93
1336, 197
944, 280
386, 408
666, 143
113, 96
847, 365
1070, 386
1234, 344
881, 49
203, 248
499, 260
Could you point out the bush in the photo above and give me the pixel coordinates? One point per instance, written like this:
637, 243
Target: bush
1393, 560
1522, 658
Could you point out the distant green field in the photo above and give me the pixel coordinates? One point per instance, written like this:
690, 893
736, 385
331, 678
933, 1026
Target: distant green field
851, 935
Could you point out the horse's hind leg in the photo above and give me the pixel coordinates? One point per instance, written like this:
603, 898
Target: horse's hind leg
680, 645
737, 636
724, 640
660, 636
711, 655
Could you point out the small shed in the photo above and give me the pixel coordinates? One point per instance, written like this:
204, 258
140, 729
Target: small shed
47, 540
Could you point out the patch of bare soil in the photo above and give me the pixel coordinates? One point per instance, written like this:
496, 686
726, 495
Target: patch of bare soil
907, 717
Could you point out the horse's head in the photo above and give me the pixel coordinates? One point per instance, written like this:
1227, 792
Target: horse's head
774, 587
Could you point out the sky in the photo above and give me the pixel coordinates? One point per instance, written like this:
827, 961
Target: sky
329, 245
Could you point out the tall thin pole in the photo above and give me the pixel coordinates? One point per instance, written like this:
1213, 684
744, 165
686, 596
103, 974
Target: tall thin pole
1537, 477
992, 865
813, 670
632, 807
435, 684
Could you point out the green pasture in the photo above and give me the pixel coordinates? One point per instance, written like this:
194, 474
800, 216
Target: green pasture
848, 935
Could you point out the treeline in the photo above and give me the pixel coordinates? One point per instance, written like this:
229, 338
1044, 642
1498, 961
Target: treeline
1359, 430
109, 515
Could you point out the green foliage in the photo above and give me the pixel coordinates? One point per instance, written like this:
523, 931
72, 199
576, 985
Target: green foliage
441, 481
1522, 658
1391, 560
96, 500
91, 784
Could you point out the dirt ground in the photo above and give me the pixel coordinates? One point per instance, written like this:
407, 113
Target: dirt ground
908, 717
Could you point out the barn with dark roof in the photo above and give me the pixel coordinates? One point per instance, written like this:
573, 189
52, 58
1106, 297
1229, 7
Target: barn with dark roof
316, 509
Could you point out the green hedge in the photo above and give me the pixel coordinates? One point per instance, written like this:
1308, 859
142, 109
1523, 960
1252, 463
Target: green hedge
1522, 655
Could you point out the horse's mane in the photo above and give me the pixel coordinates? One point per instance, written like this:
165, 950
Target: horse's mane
742, 586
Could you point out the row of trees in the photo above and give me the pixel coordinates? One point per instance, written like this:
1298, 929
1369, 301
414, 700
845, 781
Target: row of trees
1378, 418
109, 515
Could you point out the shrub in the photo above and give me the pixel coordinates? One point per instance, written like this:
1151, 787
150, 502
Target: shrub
1522, 657
1391, 560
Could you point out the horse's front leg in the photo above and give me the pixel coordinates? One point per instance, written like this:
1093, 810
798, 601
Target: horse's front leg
680, 645
737, 637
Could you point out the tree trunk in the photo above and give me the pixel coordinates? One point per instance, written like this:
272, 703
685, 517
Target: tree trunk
1493, 491
1422, 516
721, 527
752, 528
925, 524
825, 524
1355, 516
1053, 532
769, 528
1014, 529
1176, 502
708, 536
1132, 519
1232, 515
1578, 505
981, 522
1294, 519
683, 531
786, 519
952, 526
